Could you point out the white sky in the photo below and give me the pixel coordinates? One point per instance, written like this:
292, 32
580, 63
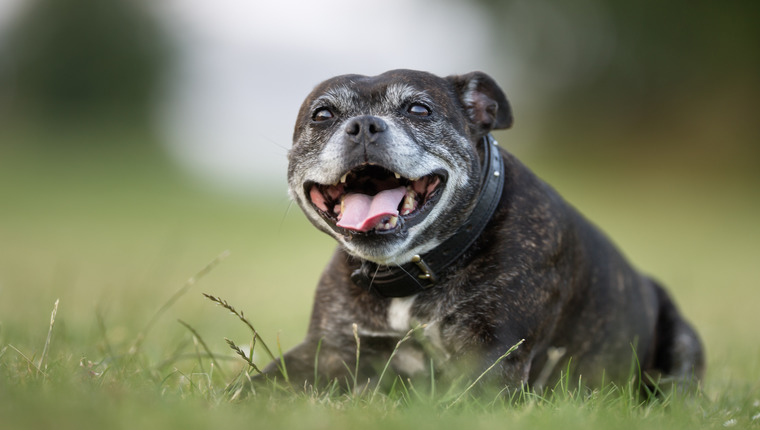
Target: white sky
246, 66
7, 9
243, 67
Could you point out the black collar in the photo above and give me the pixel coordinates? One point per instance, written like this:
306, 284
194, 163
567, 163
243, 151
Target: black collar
420, 273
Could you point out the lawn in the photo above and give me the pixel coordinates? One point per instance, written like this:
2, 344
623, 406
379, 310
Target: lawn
114, 232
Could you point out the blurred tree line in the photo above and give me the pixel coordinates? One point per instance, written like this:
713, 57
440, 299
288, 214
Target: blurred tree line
81, 60
650, 69
680, 73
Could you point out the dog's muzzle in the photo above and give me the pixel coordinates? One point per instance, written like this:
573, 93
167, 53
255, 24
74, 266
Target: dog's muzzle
373, 199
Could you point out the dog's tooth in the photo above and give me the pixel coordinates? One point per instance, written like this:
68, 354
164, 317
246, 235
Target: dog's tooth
343, 178
392, 222
410, 198
396, 175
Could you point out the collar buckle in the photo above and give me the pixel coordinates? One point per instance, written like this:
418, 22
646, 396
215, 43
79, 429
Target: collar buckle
427, 272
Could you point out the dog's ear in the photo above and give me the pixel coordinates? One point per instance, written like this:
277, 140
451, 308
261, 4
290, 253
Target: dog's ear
484, 102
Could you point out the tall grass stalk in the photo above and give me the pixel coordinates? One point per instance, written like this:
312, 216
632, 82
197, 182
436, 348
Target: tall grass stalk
357, 340
498, 360
41, 364
241, 353
241, 316
29, 360
204, 346
393, 354
135, 348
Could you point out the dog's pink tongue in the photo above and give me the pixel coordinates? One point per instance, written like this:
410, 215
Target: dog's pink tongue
362, 212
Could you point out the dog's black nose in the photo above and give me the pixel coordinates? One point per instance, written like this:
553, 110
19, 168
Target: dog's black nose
365, 129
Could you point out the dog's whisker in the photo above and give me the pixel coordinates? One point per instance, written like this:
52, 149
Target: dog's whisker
413, 278
377, 269
285, 216
273, 142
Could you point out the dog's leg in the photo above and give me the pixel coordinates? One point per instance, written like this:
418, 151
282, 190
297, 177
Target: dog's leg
311, 362
678, 355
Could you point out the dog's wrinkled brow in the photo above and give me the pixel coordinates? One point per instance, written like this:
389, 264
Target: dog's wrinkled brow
344, 98
399, 93
339, 97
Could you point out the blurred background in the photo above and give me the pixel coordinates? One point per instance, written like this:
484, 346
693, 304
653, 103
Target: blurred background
139, 140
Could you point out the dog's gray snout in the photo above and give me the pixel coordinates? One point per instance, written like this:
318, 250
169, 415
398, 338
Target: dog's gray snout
365, 127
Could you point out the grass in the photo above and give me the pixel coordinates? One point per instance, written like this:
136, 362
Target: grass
104, 254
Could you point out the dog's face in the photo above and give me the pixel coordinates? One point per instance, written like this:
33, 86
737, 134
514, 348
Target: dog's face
388, 165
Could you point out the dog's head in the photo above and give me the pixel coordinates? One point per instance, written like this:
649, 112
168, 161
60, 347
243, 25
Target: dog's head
389, 165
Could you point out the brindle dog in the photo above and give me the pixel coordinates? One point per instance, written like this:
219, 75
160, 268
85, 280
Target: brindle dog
439, 226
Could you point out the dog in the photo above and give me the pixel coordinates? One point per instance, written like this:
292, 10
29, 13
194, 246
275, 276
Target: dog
441, 229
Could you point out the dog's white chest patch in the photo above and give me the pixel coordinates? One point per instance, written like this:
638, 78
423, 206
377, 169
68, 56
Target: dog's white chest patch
399, 313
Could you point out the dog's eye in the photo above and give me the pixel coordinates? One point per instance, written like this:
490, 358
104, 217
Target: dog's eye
322, 114
418, 109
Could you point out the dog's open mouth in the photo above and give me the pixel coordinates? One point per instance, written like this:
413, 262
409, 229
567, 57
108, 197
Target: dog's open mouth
371, 198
